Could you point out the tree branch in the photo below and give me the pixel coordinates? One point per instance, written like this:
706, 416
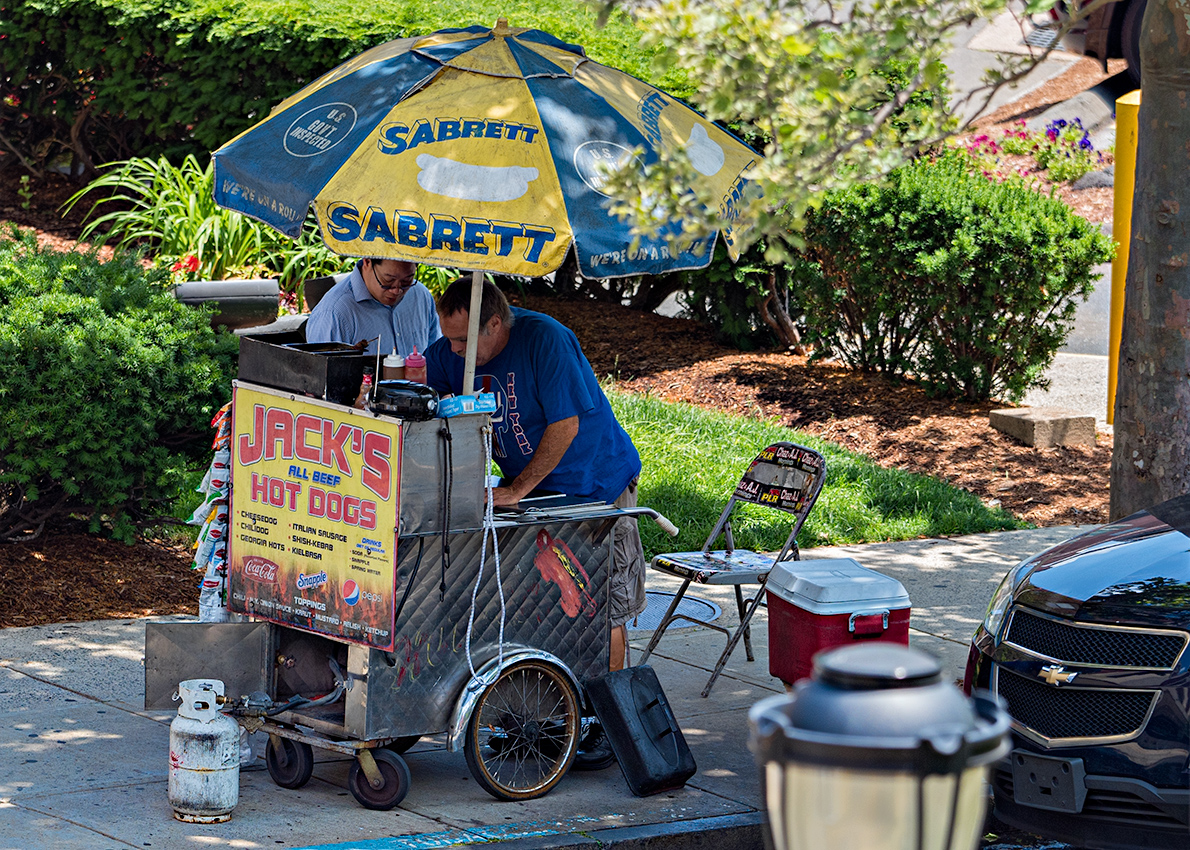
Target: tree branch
30, 167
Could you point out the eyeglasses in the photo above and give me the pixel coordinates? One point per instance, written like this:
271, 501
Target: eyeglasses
398, 281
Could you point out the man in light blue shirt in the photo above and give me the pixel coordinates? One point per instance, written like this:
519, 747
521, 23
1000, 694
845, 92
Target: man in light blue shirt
381, 298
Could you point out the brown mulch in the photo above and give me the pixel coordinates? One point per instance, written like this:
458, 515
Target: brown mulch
72, 576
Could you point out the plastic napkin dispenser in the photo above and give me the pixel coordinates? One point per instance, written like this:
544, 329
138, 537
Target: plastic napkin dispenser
404, 399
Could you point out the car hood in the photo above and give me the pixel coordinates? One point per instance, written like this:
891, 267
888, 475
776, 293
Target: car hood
1134, 571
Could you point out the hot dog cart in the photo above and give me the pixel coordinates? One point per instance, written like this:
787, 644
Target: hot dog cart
372, 607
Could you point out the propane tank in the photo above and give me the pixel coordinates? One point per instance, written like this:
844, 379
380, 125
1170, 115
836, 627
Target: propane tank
204, 755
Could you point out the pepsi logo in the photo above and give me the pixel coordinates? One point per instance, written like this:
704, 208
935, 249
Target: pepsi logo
350, 592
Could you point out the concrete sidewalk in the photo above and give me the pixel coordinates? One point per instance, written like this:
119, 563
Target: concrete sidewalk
86, 767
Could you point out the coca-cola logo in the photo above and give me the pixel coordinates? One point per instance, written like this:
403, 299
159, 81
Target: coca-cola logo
261, 569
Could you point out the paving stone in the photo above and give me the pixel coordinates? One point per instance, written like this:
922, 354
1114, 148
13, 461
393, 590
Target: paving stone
1045, 427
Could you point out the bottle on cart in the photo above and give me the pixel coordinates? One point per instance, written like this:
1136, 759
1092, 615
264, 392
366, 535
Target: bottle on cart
394, 367
415, 367
365, 388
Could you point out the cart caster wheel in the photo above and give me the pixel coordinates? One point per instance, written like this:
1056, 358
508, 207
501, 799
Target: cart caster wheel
290, 763
523, 733
402, 745
393, 771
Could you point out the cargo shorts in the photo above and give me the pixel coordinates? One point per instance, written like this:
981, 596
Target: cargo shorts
628, 563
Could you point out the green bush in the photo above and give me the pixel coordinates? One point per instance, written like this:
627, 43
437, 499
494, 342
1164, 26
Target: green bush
108, 388
171, 210
92, 81
967, 285
727, 297
924, 102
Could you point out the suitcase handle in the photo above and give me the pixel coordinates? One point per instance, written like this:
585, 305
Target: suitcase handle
667, 723
868, 622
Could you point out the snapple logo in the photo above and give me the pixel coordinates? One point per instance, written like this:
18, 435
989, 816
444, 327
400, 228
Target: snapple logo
306, 582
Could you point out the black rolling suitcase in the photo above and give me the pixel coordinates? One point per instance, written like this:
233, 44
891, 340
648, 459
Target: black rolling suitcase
642, 730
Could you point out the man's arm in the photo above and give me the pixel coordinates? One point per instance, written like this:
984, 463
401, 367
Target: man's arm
554, 442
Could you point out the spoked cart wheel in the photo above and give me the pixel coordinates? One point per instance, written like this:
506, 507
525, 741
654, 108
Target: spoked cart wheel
523, 733
393, 784
290, 762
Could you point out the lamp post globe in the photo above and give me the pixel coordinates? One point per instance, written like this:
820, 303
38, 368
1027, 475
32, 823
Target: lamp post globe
876, 751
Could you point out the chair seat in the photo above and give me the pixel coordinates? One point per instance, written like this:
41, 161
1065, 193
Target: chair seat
742, 566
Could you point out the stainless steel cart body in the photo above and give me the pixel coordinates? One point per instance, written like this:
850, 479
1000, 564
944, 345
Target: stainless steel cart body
360, 539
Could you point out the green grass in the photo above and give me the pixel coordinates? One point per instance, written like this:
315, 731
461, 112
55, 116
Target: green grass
693, 459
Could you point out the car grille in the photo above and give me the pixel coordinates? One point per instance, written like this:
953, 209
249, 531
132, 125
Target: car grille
1094, 645
1066, 712
1107, 805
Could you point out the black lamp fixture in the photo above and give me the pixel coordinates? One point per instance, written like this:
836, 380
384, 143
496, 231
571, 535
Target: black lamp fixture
876, 751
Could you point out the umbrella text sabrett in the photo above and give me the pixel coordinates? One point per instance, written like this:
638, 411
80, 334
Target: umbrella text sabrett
393, 136
442, 232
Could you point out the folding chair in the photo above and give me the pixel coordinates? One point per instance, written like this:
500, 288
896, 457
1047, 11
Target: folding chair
784, 476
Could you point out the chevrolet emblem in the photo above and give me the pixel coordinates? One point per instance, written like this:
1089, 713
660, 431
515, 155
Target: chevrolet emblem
1056, 675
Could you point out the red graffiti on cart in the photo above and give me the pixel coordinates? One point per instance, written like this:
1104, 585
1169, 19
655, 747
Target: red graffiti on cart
557, 564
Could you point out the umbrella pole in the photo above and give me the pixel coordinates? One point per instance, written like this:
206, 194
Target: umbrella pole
472, 332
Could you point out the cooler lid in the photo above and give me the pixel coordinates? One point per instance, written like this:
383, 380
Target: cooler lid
826, 581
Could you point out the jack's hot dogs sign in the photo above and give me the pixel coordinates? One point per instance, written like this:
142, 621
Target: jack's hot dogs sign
313, 516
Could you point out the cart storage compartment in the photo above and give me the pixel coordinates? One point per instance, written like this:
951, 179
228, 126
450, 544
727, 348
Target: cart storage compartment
239, 654
823, 603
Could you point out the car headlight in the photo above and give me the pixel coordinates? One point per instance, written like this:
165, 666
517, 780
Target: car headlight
998, 607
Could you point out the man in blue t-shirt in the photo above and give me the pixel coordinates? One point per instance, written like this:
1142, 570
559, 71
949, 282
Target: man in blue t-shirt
553, 427
380, 298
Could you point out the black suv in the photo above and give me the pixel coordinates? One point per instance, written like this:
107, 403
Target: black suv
1086, 642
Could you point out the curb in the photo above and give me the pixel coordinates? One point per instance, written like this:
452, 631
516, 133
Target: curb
726, 832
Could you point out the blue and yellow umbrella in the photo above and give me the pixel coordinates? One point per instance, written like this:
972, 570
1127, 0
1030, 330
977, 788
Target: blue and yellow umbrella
474, 148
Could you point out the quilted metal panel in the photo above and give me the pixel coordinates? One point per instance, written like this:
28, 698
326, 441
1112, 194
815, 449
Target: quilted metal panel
413, 689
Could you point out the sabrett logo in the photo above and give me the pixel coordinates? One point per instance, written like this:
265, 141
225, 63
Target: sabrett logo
397, 138
441, 232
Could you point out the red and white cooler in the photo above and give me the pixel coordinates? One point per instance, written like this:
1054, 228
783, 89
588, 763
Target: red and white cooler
824, 603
